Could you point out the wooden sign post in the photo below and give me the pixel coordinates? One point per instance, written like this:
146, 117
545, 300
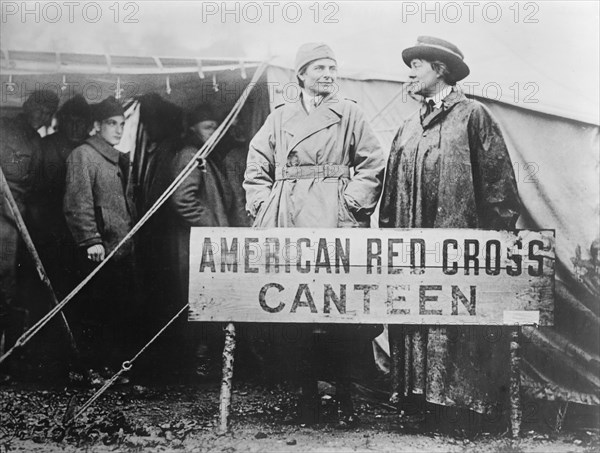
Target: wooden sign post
374, 276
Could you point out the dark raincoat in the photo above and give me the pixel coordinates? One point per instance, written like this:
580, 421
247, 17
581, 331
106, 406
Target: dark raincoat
452, 170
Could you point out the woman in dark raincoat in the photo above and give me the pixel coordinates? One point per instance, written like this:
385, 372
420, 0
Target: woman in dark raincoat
449, 168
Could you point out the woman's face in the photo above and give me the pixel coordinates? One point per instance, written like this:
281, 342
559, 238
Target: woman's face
424, 79
320, 76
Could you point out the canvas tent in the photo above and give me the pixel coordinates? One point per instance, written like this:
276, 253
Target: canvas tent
553, 142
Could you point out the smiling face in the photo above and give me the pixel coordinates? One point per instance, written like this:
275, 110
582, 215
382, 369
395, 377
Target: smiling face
425, 80
319, 76
111, 129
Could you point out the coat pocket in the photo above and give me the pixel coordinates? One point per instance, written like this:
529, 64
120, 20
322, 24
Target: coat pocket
345, 218
266, 216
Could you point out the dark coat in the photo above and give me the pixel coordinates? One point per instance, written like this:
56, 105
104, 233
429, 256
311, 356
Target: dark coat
19, 145
157, 238
201, 200
98, 203
452, 170
46, 221
158, 174
230, 156
337, 138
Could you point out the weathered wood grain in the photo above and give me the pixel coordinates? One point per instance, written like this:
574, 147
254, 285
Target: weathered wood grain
372, 276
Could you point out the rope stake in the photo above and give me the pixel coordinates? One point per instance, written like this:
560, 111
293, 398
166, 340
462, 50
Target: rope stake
203, 152
125, 367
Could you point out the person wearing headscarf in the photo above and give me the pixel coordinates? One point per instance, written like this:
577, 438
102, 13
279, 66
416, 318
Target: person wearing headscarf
449, 167
316, 162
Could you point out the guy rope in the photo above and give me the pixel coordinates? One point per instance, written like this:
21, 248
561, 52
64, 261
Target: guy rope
198, 158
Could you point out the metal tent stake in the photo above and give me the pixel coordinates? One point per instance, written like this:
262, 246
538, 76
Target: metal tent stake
225, 397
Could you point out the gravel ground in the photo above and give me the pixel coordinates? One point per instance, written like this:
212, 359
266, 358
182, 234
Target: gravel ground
184, 418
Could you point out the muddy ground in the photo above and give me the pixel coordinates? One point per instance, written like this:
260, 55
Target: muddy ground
170, 417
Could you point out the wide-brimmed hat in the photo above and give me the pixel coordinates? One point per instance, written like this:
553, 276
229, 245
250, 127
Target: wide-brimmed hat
436, 49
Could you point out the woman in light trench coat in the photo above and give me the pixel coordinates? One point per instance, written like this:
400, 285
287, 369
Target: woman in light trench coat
320, 168
316, 163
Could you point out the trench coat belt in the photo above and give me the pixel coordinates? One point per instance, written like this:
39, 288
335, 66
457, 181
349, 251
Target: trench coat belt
312, 172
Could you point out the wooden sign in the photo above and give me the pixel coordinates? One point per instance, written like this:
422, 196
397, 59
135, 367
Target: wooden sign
410, 276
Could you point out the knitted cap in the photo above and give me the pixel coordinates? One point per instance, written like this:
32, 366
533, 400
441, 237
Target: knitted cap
312, 51
108, 108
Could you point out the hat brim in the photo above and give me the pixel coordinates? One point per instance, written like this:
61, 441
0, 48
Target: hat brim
456, 65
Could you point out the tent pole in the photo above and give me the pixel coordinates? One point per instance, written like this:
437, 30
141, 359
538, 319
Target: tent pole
515, 382
5, 189
396, 335
225, 397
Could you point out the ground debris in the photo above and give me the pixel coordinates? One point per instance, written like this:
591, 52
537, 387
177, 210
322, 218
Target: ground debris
184, 418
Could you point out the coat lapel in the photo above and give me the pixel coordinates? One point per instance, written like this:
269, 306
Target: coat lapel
449, 102
104, 149
304, 126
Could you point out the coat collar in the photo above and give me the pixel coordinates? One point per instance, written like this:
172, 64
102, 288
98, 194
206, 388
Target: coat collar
448, 103
104, 148
304, 125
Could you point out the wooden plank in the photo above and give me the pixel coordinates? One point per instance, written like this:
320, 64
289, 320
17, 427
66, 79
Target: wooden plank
372, 276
